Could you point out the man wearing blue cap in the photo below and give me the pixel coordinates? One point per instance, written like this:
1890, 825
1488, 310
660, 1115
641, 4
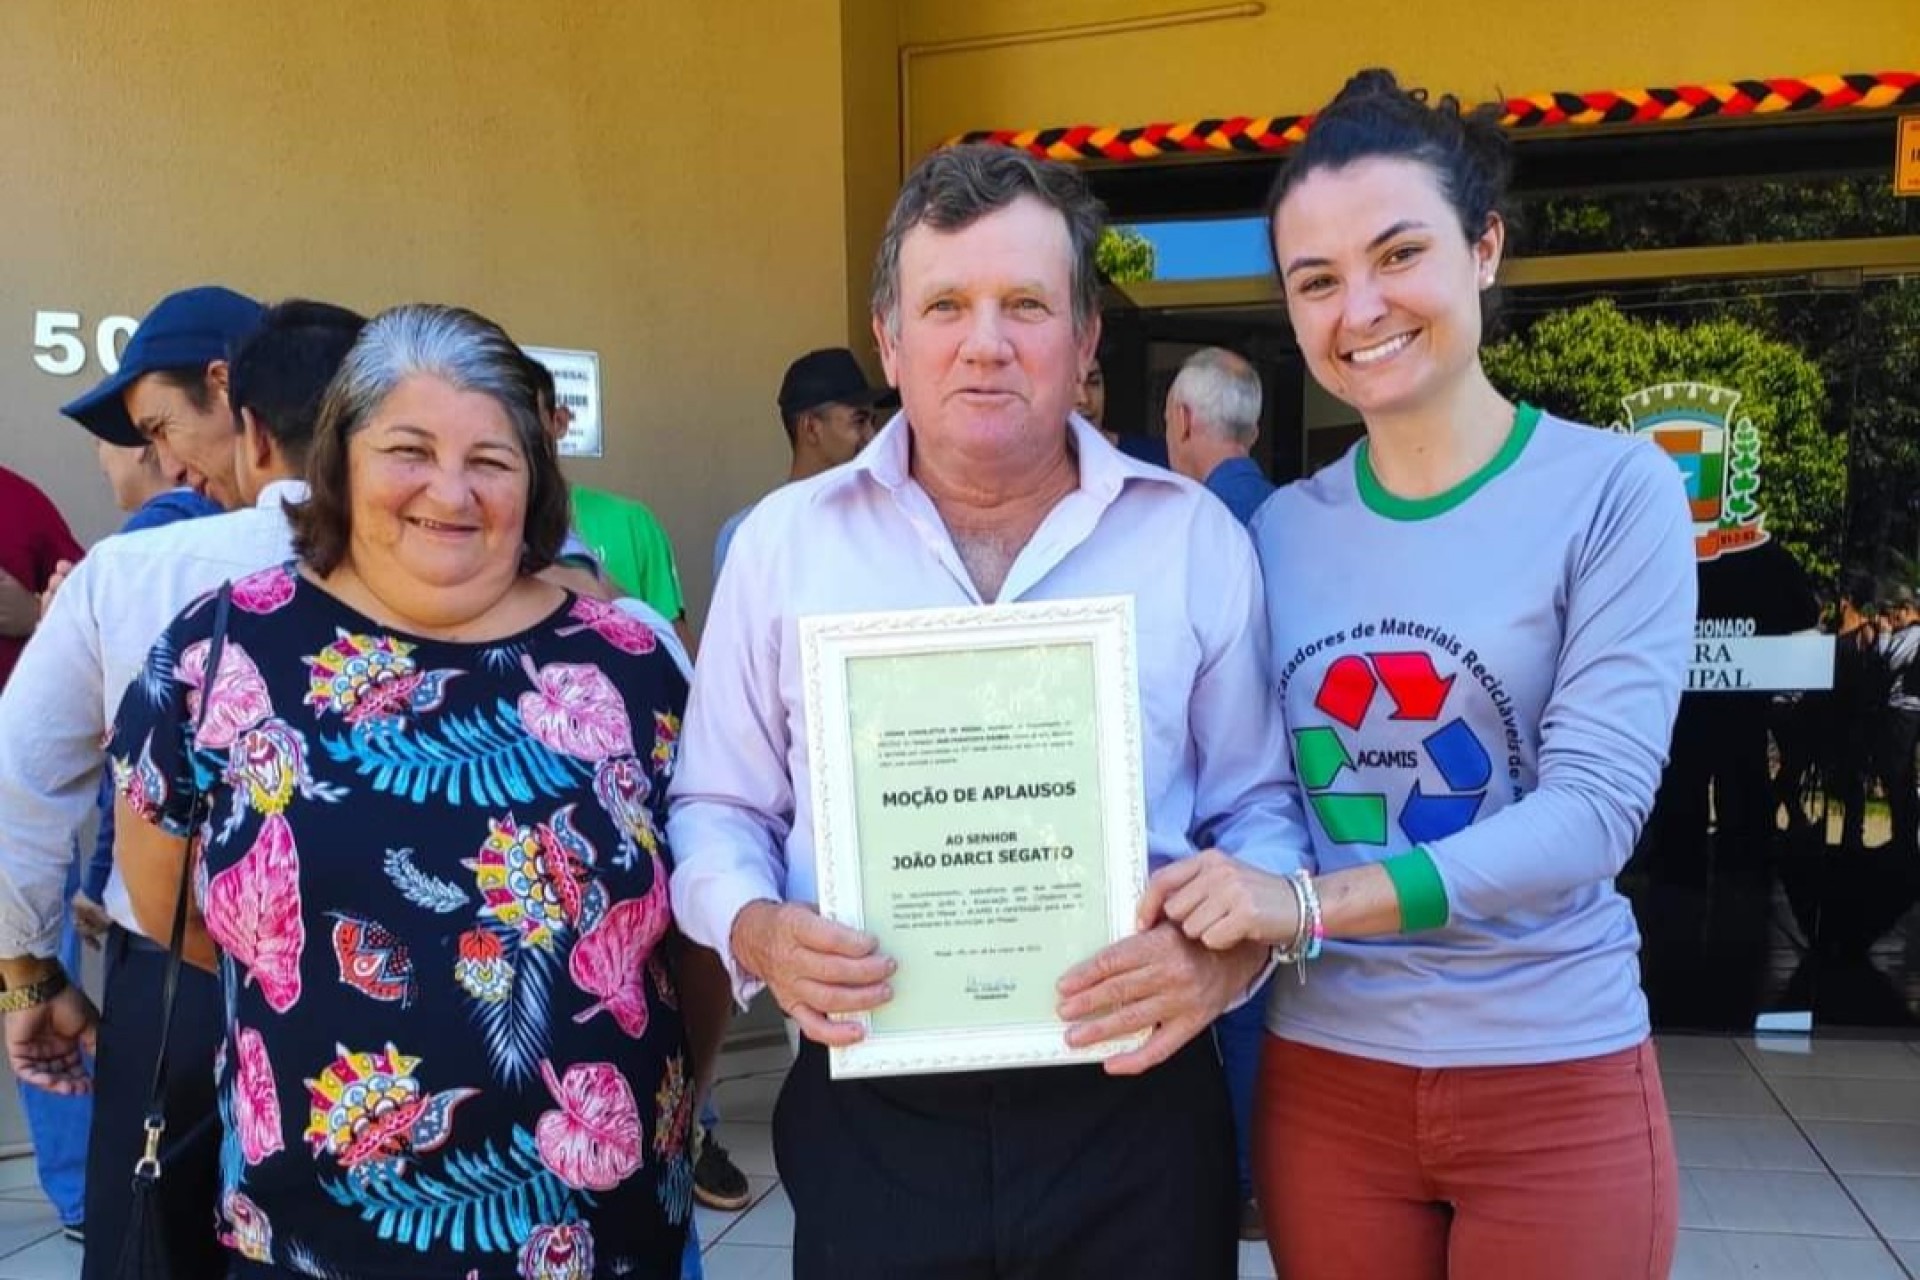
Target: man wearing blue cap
227, 393
171, 389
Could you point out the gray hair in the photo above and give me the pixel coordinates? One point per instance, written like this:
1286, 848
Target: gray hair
469, 353
1223, 392
956, 187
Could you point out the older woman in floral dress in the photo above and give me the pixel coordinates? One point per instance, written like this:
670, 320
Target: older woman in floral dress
433, 881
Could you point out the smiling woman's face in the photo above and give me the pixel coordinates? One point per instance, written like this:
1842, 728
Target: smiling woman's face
1382, 286
438, 487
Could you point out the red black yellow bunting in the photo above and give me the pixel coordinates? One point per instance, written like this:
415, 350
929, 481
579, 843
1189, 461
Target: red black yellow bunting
1254, 134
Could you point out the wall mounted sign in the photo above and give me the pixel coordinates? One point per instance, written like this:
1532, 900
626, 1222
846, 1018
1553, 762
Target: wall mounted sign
576, 381
1757, 664
1718, 454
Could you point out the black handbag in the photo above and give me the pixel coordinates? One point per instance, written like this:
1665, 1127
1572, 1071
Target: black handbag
143, 1250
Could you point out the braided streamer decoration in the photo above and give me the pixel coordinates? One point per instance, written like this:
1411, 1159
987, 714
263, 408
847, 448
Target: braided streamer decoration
1249, 135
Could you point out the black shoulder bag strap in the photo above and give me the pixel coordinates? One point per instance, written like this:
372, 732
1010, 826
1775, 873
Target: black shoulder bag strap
143, 1252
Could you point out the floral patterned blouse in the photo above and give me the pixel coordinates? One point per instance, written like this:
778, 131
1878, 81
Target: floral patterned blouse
438, 882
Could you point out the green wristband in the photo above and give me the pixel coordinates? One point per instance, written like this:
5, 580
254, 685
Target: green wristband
1421, 891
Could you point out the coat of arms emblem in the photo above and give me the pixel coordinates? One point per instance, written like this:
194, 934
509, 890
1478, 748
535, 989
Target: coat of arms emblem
1718, 454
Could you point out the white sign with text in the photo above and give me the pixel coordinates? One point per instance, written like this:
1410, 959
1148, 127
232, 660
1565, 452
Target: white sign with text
1758, 664
576, 381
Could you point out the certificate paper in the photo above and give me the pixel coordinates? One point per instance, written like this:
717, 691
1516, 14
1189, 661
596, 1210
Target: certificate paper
977, 803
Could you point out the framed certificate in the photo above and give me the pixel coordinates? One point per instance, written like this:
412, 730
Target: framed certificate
978, 807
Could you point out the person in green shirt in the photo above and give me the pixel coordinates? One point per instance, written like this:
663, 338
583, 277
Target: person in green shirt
630, 545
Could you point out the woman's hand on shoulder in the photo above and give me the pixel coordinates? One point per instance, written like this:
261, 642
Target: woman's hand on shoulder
1221, 902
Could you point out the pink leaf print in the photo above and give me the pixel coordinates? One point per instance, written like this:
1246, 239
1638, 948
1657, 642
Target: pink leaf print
265, 591
614, 625
239, 699
574, 709
256, 1107
253, 912
592, 1142
610, 962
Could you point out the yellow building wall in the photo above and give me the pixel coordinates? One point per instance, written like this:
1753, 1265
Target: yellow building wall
661, 183
1286, 58
693, 191
869, 61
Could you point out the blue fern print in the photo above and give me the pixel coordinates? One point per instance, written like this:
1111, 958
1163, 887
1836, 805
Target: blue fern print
477, 759
489, 1202
516, 1028
676, 1189
156, 674
421, 889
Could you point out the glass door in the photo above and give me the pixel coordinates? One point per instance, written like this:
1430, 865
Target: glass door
1777, 878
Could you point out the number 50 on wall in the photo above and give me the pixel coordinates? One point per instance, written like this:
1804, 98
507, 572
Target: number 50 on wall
60, 351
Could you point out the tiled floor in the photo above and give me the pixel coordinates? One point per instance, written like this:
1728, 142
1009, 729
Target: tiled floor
1799, 1161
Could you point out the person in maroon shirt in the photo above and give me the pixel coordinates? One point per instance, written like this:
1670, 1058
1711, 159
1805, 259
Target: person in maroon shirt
33, 542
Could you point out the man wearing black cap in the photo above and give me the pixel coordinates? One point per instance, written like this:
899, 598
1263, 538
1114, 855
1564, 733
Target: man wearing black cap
827, 407
263, 373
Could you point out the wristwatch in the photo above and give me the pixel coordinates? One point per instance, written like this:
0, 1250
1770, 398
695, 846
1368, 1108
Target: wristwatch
38, 992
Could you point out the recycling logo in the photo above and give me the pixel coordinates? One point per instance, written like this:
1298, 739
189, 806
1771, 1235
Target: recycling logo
1403, 687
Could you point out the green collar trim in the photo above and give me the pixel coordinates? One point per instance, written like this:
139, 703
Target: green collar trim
1394, 507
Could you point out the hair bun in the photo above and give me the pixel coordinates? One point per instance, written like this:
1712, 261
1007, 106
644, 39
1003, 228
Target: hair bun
1370, 83
1374, 115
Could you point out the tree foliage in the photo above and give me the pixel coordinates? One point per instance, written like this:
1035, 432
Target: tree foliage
1753, 212
1124, 256
1864, 338
1583, 363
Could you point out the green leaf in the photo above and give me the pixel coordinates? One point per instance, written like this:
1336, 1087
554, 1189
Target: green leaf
1124, 256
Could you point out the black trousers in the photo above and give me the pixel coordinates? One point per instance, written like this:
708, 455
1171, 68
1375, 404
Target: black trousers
188, 1189
1050, 1173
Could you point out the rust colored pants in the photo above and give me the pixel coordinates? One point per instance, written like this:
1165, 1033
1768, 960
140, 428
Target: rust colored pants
1371, 1169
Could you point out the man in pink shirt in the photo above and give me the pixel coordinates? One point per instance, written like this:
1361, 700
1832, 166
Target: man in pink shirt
984, 490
